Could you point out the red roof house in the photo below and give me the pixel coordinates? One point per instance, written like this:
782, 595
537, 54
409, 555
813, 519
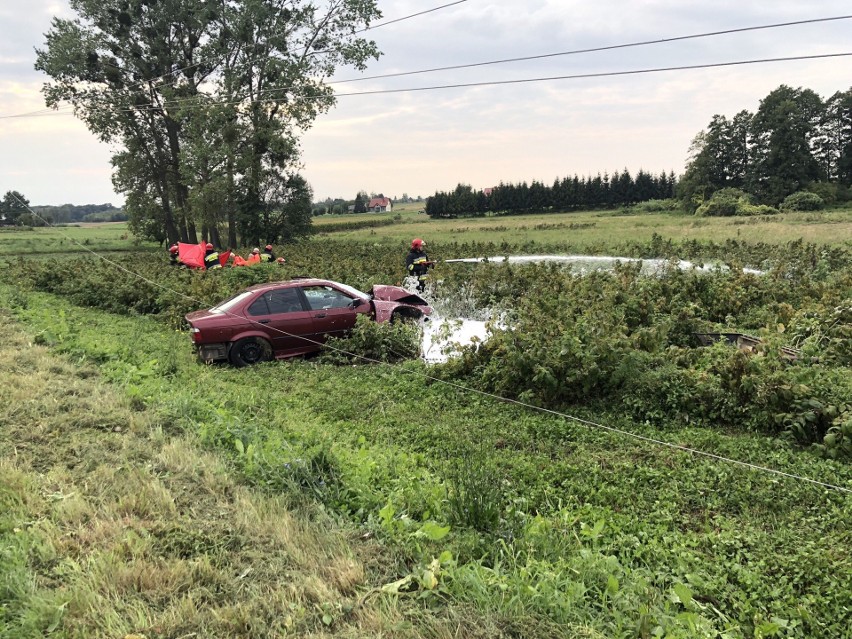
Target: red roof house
379, 204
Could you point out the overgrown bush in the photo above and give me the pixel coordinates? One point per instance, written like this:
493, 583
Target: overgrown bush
370, 341
657, 206
802, 201
730, 202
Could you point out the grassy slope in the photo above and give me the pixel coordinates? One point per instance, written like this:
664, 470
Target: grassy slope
752, 546
113, 523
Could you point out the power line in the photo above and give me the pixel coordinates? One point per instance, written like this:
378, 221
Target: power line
461, 387
577, 76
413, 15
641, 43
603, 74
508, 60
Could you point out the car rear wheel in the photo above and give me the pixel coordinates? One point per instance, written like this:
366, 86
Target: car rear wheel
250, 350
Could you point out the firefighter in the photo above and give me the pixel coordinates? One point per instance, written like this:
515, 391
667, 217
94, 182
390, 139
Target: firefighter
174, 257
267, 255
417, 263
254, 258
211, 258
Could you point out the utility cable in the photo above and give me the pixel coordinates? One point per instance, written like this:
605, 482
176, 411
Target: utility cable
413, 15
641, 43
592, 425
577, 76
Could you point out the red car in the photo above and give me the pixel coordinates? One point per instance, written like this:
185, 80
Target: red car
285, 319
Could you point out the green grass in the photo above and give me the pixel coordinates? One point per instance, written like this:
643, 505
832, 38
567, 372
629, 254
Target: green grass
589, 230
584, 231
472, 517
114, 523
64, 240
596, 528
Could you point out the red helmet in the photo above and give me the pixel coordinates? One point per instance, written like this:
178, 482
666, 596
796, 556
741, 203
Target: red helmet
281, 260
417, 244
209, 246
268, 247
173, 248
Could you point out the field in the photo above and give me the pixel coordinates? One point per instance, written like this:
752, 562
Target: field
593, 229
144, 493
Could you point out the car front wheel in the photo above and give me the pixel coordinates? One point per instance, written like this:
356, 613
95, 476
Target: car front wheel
250, 350
407, 315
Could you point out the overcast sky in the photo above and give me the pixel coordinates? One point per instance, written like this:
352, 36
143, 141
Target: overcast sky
420, 142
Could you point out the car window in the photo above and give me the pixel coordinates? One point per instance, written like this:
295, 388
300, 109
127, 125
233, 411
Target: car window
226, 306
285, 300
325, 297
259, 307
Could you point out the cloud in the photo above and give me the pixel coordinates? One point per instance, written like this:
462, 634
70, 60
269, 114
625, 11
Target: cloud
418, 142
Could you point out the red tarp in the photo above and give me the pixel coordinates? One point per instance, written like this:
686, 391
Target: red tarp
193, 255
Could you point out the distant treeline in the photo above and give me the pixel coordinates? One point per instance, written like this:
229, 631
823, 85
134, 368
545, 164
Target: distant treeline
565, 194
69, 213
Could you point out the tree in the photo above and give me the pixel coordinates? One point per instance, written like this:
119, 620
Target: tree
784, 131
360, 205
719, 159
834, 145
12, 207
205, 98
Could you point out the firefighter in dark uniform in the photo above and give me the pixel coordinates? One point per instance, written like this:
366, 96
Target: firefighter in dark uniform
211, 258
267, 256
417, 263
174, 257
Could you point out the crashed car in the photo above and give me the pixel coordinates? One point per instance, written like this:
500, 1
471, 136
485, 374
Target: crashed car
285, 319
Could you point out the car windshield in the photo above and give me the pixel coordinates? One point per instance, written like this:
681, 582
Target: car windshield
352, 291
228, 305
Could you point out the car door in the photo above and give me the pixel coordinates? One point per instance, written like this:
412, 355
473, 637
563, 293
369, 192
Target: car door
332, 311
282, 316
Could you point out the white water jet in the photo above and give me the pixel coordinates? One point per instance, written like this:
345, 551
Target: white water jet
445, 338
595, 262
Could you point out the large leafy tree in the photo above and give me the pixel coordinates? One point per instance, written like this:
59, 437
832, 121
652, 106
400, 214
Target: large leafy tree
205, 99
784, 131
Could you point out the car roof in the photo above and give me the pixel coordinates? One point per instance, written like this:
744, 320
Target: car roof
299, 281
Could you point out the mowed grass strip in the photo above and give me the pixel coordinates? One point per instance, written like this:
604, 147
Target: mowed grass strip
112, 527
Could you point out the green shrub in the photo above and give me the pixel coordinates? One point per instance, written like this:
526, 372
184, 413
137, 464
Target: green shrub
830, 192
802, 201
724, 203
656, 206
731, 202
387, 342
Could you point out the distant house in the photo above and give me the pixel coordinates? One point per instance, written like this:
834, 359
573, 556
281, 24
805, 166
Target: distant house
380, 204
487, 191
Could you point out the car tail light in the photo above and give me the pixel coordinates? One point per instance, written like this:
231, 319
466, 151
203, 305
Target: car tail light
196, 334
